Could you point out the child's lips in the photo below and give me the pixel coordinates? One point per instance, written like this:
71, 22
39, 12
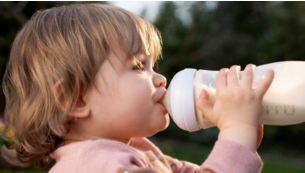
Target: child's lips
163, 109
159, 95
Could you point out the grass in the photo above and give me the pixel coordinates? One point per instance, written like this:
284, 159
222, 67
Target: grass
281, 167
273, 162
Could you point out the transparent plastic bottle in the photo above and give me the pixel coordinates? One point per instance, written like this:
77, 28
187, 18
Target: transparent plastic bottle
283, 103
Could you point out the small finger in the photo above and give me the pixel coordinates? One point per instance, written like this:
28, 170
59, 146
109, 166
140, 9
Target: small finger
221, 79
205, 105
247, 78
233, 76
264, 86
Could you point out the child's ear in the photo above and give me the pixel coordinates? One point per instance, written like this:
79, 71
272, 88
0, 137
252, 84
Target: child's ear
81, 109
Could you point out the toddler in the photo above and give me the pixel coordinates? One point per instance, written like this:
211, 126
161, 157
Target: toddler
81, 89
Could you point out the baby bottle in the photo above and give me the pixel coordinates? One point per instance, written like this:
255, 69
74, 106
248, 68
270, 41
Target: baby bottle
283, 103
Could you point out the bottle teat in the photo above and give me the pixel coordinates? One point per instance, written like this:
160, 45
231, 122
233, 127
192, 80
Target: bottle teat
180, 101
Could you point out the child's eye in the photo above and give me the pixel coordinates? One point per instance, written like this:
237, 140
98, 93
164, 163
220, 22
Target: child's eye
139, 66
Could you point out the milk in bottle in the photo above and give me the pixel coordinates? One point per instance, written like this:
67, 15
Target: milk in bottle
283, 103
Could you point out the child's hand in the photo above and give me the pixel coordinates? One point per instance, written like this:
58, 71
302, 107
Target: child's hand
237, 105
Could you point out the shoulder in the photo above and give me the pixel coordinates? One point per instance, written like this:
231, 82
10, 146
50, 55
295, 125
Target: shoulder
114, 153
96, 155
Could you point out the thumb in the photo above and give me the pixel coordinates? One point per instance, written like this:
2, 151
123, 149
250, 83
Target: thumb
205, 105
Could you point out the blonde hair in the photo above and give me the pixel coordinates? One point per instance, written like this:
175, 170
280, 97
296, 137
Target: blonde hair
63, 45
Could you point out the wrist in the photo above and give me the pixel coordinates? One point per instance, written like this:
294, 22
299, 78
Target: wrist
245, 135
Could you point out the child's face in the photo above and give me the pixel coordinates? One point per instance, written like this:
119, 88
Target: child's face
126, 100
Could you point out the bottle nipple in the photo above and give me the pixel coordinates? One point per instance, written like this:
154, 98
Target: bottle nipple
180, 101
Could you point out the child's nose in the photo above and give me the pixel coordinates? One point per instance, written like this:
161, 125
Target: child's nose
159, 80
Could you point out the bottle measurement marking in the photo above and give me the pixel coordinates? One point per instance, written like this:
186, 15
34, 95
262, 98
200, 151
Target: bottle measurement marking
279, 109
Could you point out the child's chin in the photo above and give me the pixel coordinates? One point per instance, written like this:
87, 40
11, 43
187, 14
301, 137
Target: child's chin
166, 124
161, 128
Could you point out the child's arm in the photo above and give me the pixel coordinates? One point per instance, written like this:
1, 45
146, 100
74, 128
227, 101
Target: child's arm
237, 105
226, 157
236, 113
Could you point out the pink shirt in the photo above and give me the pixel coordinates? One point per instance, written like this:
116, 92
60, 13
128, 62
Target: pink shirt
141, 155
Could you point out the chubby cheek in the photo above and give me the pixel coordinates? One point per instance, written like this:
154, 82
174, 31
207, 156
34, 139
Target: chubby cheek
137, 100
135, 90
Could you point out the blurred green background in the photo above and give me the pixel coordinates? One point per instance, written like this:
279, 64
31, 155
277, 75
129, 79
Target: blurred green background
207, 35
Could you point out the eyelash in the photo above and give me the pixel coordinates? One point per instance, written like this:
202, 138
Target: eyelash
140, 66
